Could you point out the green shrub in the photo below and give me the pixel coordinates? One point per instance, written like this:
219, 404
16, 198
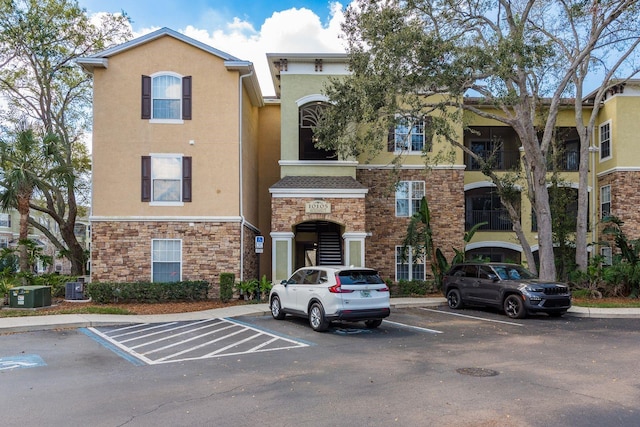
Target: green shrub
56, 281
147, 292
411, 287
265, 286
581, 293
249, 288
226, 286
254, 289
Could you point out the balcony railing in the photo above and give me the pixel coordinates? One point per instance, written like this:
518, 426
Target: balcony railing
499, 160
510, 159
568, 161
496, 219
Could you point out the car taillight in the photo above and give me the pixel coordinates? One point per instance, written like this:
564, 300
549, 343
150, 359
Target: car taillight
337, 289
385, 289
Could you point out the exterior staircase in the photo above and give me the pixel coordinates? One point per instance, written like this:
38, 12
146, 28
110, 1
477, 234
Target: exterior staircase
329, 248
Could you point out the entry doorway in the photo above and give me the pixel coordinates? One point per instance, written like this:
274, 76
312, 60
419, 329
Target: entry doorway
318, 243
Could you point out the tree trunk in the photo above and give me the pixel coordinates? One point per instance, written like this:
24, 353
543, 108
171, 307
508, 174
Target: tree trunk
583, 202
526, 248
545, 232
76, 253
23, 236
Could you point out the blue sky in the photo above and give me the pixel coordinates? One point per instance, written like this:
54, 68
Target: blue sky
245, 29
202, 13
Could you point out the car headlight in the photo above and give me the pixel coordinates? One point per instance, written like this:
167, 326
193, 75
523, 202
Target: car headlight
535, 289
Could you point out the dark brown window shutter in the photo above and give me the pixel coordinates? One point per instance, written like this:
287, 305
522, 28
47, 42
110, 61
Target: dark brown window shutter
186, 98
146, 178
146, 97
186, 179
391, 139
428, 132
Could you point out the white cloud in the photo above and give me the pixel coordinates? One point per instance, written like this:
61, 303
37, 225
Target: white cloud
292, 30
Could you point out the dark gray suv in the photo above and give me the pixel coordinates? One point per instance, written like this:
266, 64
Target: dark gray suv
509, 287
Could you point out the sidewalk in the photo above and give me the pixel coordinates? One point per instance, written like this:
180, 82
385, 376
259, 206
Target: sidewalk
60, 321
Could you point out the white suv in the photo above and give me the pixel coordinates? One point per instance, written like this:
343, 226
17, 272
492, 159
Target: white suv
323, 294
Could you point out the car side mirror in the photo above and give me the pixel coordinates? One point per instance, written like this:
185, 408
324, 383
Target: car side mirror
493, 277
284, 282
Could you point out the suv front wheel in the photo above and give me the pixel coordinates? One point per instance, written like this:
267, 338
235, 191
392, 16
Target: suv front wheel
276, 308
373, 323
514, 307
454, 300
316, 318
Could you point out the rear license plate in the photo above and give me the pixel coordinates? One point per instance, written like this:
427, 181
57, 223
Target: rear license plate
365, 294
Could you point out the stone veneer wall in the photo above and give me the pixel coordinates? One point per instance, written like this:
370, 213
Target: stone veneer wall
288, 212
251, 260
121, 251
444, 189
625, 199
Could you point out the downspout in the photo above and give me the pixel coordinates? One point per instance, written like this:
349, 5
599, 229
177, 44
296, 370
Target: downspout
241, 181
593, 150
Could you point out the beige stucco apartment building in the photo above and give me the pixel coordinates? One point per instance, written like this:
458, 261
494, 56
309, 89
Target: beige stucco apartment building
192, 166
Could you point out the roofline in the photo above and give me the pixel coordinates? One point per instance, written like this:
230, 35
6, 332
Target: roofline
101, 59
274, 58
245, 68
153, 36
483, 102
330, 56
590, 97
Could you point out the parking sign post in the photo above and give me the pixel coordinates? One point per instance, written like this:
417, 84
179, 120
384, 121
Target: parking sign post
259, 244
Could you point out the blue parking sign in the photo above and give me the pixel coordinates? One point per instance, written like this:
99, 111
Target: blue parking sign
259, 242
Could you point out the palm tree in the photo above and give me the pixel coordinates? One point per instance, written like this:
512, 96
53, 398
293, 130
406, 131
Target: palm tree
420, 237
23, 165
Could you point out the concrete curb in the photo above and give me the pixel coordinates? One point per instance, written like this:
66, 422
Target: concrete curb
69, 321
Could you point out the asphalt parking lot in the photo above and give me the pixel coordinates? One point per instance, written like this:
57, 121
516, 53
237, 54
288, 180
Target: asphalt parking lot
422, 366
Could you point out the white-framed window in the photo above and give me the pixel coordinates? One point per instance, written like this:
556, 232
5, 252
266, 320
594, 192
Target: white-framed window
605, 201
5, 220
605, 140
408, 197
166, 97
4, 242
166, 260
607, 255
411, 266
410, 135
166, 179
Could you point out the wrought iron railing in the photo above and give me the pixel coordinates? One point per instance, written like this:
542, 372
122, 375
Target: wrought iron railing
568, 161
498, 160
496, 220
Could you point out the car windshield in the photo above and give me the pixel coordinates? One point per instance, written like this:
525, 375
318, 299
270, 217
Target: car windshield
352, 277
513, 272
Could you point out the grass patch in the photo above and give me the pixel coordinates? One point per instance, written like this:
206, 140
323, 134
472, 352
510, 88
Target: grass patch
79, 310
604, 303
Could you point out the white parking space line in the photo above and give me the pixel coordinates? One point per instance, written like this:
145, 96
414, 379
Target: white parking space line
234, 344
171, 336
140, 328
190, 349
471, 317
418, 328
197, 337
152, 343
164, 331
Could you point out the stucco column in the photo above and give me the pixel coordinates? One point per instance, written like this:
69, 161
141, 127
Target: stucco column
281, 255
354, 248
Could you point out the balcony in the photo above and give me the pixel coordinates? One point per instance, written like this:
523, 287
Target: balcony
568, 161
496, 219
500, 160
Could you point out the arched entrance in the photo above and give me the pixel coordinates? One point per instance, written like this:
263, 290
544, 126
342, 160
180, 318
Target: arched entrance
318, 243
